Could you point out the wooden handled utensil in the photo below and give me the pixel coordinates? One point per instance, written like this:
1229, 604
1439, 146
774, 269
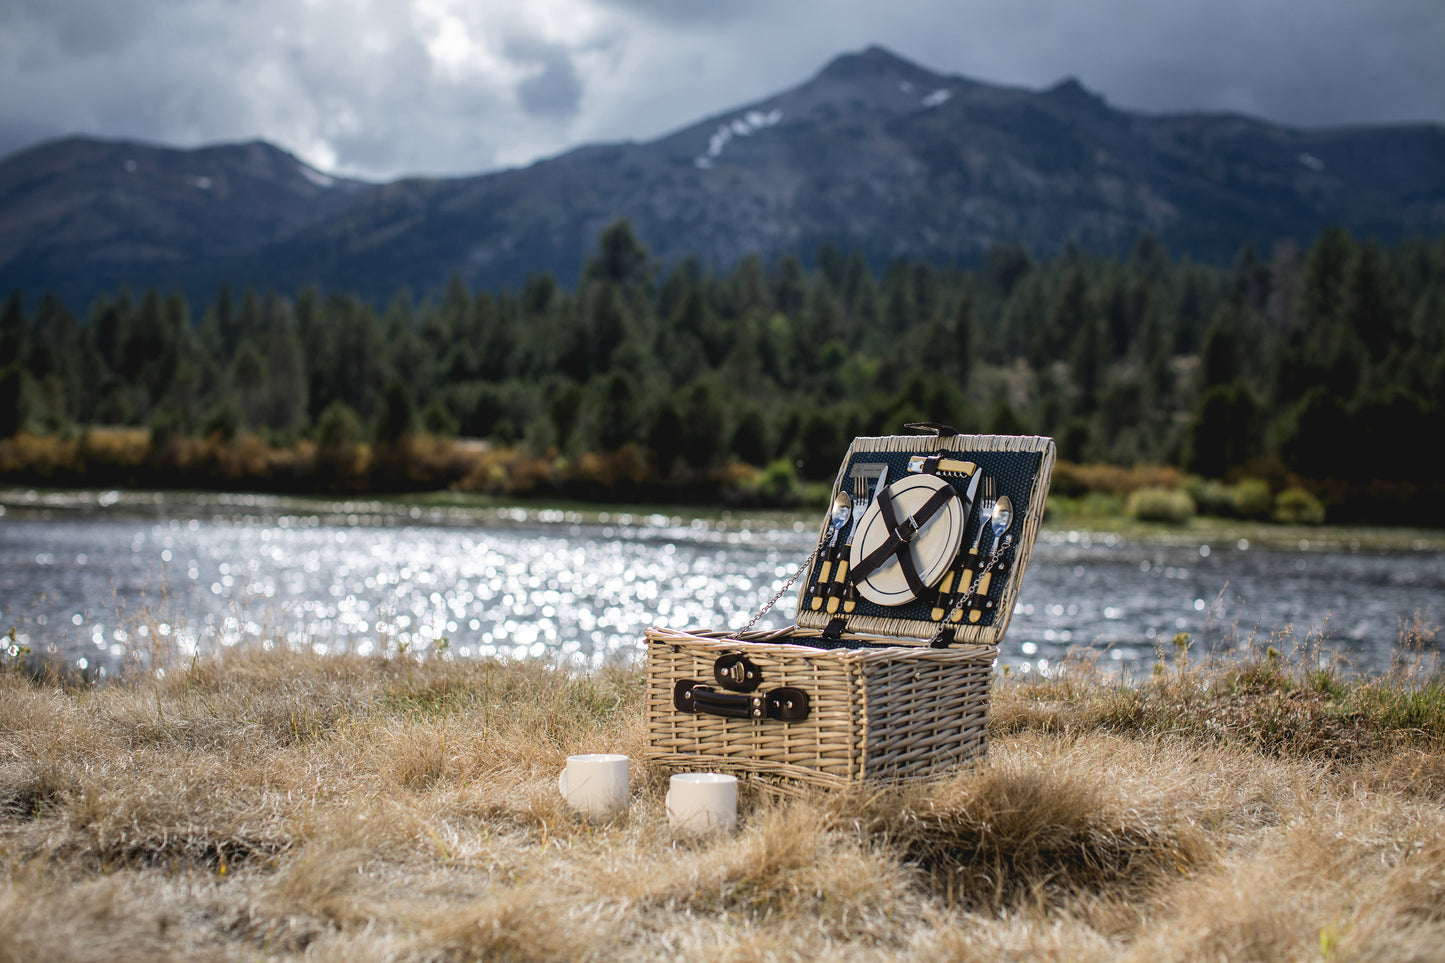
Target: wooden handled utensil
859, 507
1003, 516
842, 508
988, 497
946, 586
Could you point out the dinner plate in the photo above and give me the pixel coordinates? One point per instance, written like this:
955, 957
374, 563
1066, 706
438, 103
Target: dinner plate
933, 549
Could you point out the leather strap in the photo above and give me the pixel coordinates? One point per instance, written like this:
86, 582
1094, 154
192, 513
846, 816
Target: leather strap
900, 534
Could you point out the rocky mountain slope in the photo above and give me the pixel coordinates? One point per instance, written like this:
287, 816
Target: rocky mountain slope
873, 152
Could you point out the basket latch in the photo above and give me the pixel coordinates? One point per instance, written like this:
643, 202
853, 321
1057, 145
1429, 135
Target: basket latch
737, 673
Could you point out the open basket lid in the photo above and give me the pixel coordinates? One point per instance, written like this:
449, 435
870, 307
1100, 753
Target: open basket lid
898, 562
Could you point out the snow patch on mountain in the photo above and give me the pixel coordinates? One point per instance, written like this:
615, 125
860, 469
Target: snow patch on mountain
316, 177
745, 126
939, 96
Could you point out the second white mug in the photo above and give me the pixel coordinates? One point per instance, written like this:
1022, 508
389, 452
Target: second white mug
700, 802
595, 783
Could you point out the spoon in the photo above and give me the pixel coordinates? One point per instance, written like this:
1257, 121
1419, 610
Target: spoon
1003, 516
842, 508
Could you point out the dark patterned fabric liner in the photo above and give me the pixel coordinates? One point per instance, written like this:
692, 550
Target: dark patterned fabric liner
1013, 473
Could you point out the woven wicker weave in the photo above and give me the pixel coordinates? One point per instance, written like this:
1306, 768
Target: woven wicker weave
883, 705
878, 713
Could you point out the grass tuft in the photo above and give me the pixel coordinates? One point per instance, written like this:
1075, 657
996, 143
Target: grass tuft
1018, 835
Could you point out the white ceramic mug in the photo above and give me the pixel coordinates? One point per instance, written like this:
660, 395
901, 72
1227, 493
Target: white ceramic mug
595, 783
699, 802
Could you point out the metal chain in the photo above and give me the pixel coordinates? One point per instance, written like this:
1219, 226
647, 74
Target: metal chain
966, 599
782, 591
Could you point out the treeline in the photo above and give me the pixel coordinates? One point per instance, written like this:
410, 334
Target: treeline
1324, 365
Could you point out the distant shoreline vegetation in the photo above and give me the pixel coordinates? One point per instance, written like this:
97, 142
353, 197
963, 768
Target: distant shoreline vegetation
1300, 386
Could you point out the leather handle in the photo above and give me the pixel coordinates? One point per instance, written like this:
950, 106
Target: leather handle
932, 428
784, 704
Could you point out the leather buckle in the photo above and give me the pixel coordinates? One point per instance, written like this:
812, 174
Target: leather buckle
907, 528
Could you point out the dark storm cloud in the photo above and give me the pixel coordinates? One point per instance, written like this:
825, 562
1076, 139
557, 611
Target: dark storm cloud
1320, 63
691, 15
385, 87
348, 85
554, 90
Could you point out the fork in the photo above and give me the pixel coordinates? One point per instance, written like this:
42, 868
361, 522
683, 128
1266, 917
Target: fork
860, 502
987, 499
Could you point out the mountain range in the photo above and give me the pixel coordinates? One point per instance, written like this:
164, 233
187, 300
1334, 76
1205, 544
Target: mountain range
873, 153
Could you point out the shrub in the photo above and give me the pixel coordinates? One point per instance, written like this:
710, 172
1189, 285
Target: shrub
779, 479
1212, 497
1172, 507
439, 420
1252, 498
338, 426
1295, 506
1076, 479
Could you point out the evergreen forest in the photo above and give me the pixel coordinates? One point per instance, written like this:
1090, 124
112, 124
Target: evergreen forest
1321, 367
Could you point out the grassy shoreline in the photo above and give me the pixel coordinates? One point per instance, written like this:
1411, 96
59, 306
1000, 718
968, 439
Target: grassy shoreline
464, 508
277, 805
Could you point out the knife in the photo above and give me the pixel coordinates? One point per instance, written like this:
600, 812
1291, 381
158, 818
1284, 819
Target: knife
940, 610
966, 579
852, 603
828, 553
942, 466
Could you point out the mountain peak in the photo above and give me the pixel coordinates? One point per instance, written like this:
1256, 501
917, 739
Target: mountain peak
1070, 91
872, 61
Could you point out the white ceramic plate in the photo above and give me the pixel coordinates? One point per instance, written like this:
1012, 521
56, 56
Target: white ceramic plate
933, 549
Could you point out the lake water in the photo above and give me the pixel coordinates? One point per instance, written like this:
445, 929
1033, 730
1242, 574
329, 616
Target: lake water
88, 576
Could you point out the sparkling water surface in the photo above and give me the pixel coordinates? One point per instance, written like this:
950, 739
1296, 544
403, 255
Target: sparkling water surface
93, 577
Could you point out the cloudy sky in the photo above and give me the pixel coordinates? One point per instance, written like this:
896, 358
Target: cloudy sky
381, 88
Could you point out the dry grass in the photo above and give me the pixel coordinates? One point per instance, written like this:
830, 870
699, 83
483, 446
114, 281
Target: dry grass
272, 805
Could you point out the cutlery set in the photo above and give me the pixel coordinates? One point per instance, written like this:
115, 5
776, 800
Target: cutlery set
970, 594
834, 591
963, 592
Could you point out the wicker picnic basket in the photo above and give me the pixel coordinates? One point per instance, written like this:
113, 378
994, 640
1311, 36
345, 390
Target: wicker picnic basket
886, 673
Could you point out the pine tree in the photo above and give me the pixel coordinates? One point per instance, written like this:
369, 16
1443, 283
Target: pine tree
622, 259
14, 332
397, 415
287, 401
960, 342
248, 380
1367, 303
1088, 363
790, 286
607, 325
